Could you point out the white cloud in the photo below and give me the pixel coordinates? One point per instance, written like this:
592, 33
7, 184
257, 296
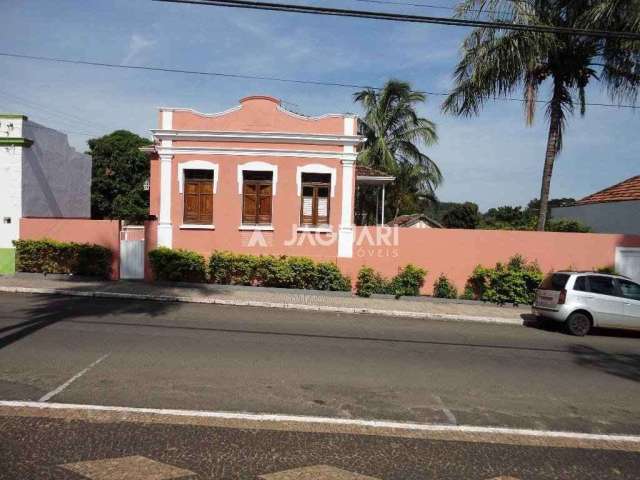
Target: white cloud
137, 44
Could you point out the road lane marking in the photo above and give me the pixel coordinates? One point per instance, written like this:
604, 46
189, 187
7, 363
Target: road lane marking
316, 472
518, 436
447, 413
59, 389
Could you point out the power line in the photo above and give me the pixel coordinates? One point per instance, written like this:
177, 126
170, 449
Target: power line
254, 77
398, 17
65, 117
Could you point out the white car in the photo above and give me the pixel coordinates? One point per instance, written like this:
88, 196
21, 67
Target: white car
582, 300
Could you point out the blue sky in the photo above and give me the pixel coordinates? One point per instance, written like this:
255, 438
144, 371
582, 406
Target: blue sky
492, 159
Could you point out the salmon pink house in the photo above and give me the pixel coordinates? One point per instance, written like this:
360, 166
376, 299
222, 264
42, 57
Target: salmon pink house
255, 176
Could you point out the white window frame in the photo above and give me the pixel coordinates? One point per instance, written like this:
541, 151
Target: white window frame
197, 165
258, 167
316, 168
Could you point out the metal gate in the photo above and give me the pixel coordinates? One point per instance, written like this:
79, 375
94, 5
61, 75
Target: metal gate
132, 253
628, 262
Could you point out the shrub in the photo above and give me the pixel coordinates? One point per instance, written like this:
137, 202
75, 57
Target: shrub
273, 271
408, 281
566, 225
370, 282
177, 265
329, 277
515, 282
443, 288
303, 272
50, 256
610, 269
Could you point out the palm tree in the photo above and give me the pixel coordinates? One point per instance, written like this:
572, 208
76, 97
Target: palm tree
394, 135
496, 62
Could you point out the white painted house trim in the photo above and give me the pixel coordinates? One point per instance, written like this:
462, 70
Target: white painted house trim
165, 228
345, 233
197, 165
171, 150
316, 168
258, 167
257, 137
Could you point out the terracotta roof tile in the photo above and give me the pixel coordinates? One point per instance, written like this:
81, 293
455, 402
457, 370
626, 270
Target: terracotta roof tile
364, 171
627, 190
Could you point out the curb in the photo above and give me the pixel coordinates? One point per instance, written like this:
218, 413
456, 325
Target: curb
248, 303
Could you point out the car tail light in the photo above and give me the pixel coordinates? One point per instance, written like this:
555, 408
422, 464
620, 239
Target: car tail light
562, 297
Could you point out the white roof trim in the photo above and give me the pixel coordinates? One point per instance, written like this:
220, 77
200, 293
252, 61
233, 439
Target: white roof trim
173, 150
266, 137
238, 107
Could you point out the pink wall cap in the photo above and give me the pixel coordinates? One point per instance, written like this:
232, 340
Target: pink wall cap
261, 97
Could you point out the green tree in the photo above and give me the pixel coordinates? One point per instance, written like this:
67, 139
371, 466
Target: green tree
496, 62
395, 135
120, 171
464, 215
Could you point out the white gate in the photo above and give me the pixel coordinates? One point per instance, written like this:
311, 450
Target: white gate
132, 253
628, 262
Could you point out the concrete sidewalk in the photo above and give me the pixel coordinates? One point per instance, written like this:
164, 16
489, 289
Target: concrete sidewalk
339, 302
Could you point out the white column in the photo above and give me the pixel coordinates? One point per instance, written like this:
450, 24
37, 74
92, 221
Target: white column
345, 233
165, 229
383, 188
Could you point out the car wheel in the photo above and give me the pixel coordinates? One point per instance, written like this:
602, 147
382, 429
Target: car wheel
578, 324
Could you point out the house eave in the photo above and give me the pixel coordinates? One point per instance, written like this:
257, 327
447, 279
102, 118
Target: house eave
256, 137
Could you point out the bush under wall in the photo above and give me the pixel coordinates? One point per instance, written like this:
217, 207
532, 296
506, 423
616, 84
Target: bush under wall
275, 271
177, 265
514, 282
443, 288
51, 256
407, 282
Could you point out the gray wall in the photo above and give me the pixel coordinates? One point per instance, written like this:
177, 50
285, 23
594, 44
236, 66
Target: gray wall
56, 179
609, 217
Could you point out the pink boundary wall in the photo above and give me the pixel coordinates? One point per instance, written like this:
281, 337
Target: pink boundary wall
100, 232
457, 252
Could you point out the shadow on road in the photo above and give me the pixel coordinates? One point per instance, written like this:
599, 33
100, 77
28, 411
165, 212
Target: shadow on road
621, 365
53, 309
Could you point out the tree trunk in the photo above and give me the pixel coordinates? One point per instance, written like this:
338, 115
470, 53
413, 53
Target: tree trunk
553, 142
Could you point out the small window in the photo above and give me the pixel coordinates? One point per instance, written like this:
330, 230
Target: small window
198, 197
601, 285
629, 289
257, 188
555, 281
315, 204
580, 284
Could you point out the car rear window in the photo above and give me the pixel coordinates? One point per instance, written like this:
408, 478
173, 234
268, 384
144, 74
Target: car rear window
555, 281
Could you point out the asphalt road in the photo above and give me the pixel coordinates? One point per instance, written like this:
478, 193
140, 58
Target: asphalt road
206, 357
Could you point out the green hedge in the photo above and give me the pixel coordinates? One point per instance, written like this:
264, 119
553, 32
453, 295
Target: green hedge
177, 265
514, 282
50, 256
443, 288
275, 271
407, 282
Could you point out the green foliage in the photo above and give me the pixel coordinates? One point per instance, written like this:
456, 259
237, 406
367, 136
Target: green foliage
566, 225
443, 288
329, 277
369, 282
407, 282
275, 271
395, 135
610, 269
468, 293
515, 282
177, 265
495, 63
464, 215
119, 172
50, 256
